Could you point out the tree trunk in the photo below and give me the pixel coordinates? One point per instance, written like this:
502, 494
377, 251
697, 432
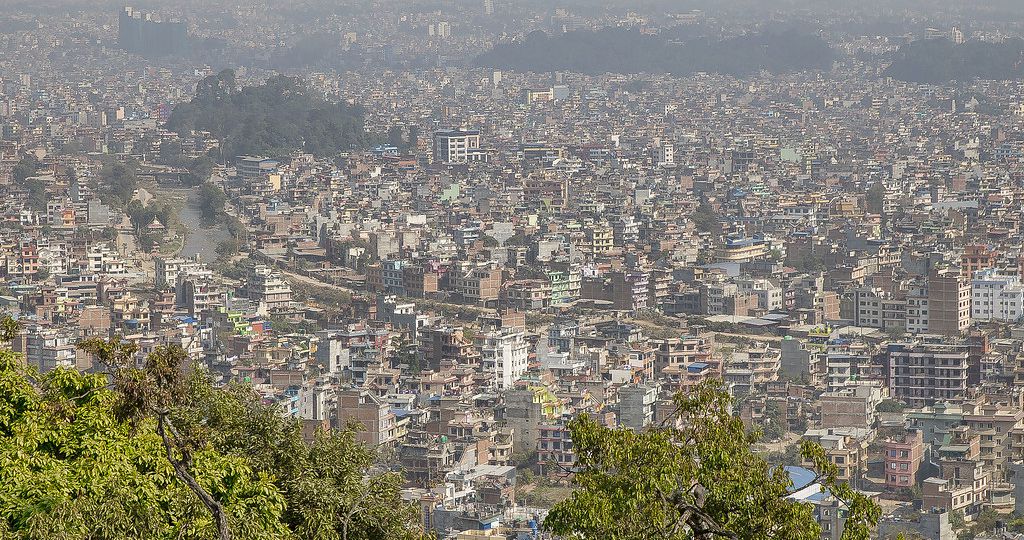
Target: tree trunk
181, 469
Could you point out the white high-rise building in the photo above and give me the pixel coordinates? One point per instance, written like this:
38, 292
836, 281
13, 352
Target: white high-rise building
505, 353
996, 297
441, 29
665, 154
957, 36
456, 145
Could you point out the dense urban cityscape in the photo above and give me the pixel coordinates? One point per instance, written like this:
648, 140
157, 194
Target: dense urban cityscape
500, 269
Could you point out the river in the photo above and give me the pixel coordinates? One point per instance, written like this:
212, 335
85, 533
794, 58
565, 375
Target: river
199, 240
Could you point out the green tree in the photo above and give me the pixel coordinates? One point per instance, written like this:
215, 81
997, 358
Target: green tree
26, 166
956, 519
414, 136
275, 118
37, 195
150, 392
875, 197
119, 182
890, 406
394, 137
199, 171
705, 219
405, 353
695, 482
228, 248
773, 428
211, 202
73, 469
327, 488
518, 239
170, 153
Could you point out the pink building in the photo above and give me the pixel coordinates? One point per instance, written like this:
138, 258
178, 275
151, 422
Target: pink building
903, 457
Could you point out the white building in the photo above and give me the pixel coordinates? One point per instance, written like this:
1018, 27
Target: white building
505, 352
46, 349
314, 402
996, 297
102, 259
457, 146
167, 269
269, 288
918, 319
769, 295
665, 154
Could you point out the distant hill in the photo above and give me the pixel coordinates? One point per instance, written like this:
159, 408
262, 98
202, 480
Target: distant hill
937, 61
621, 50
272, 119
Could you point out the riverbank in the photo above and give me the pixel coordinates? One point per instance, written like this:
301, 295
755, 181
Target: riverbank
200, 239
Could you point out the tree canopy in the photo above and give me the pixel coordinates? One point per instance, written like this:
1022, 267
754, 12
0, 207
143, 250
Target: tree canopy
70, 469
699, 480
212, 201
274, 118
118, 182
937, 61
24, 168
158, 452
629, 51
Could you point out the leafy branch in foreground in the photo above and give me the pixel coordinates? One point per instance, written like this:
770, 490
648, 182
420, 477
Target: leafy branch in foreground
698, 479
103, 455
72, 470
151, 391
330, 486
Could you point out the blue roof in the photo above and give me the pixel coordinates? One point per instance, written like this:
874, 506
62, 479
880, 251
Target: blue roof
800, 476
697, 366
804, 478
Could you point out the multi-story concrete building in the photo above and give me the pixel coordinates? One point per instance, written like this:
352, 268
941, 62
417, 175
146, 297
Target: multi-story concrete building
996, 297
477, 283
636, 405
850, 406
46, 349
457, 146
976, 257
903, 456
963, 483
923, 373
753, 367
769, 295
625, 290
875, 308
505, 353
600, 238
846, 448
444, 344
374, 414
739, 250
848, 362
526, 409
556, 453
949, 303
269, 288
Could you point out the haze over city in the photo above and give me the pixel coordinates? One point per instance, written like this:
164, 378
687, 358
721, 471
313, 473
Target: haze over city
512, 270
